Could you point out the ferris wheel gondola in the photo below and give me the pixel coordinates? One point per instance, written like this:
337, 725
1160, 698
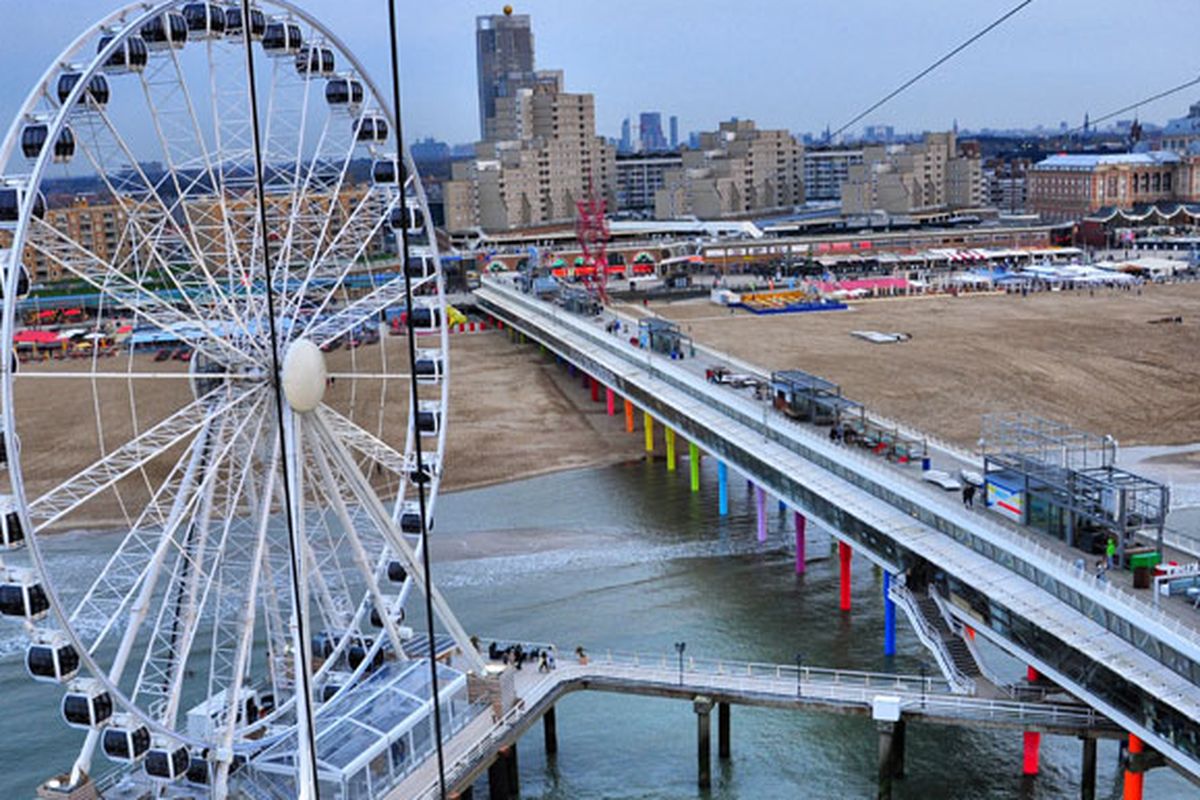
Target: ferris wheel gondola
244, 517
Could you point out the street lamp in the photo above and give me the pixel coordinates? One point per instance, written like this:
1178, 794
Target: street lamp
799, 671
679, 648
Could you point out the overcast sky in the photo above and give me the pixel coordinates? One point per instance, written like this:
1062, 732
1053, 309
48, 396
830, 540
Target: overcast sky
781, 62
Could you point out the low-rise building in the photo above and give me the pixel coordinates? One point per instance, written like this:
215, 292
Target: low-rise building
738, 171
902, 179
1070, 186
1182, 135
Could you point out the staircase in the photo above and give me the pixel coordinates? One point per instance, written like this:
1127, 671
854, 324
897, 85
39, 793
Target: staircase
956, 648
951, 653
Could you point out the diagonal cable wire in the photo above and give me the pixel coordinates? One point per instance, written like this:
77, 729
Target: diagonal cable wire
1142, 102
304, 673
978, 35
414, 399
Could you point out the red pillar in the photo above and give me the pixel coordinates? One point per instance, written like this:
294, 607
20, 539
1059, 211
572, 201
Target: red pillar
1033, 743
595, 390
1134, 780
844, 553
610, 401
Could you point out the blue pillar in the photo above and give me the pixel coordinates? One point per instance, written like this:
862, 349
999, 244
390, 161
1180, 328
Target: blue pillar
722, 489
889, 617
782, 506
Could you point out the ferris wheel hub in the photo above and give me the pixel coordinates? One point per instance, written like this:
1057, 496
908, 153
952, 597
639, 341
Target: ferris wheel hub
303, 375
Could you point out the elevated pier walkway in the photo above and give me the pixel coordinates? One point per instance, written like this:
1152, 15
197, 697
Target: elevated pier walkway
1135, 663
469, 753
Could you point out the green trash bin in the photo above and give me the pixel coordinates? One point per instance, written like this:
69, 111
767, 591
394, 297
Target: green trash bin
1147, 560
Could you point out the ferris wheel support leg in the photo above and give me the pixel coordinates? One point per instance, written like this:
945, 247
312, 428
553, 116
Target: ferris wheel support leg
246, 633
306, 757
395, 539
141, 606
360, 554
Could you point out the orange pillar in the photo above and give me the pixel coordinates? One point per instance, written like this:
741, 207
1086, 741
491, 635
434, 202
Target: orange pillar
628, 417
844, 554
1134, 780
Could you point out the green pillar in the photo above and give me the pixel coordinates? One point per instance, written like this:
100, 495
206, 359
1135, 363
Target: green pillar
694, 463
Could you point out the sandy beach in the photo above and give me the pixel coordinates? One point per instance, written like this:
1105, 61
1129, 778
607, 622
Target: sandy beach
513, 414
1096, 362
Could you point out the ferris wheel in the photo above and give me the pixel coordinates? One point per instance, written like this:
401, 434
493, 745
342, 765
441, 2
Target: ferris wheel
208, 365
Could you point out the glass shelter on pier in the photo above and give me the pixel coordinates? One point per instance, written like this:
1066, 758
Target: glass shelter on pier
373, 736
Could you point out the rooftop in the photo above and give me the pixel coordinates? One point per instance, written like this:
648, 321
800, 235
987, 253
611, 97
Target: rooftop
1089, 161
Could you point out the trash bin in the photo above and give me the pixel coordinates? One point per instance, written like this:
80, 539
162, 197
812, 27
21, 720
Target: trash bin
926, 464
1141, 577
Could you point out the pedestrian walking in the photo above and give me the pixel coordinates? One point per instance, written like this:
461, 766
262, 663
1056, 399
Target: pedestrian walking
1110, 552
543, 662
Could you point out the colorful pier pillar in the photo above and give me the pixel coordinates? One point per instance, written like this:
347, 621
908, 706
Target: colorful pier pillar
669, 436
610, 401
694, 465
570, 369
722, 489
760, 506
585, 379
801, 524
1134, 781
595, 391
844, 554
889, 617
1031, 752
628, 417
648, 424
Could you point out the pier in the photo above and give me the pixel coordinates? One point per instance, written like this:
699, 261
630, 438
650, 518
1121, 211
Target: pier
711, 684
1134, 663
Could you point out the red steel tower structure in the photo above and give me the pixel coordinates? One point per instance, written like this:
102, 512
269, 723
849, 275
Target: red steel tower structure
591, 229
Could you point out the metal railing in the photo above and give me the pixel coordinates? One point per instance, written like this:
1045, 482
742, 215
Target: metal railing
923, 695
931, 638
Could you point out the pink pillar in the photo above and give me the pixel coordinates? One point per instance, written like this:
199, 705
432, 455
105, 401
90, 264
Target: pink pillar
844, 554
760, 505
611, 401
800, 525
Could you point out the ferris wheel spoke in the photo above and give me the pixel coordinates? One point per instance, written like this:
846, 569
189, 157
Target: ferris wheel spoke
346, 251
368, 307
93, 270
90, 481
161, 215
216, 188
361, 489
367, 444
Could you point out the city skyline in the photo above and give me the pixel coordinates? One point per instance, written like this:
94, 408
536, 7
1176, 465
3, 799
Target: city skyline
1027, 72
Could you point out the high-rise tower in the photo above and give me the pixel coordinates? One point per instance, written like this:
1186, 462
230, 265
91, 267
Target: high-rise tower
504, 60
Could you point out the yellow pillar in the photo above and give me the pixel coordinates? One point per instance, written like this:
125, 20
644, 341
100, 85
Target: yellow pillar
648, 424
669, 435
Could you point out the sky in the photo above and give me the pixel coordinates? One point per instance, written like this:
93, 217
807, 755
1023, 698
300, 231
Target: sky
784, 63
